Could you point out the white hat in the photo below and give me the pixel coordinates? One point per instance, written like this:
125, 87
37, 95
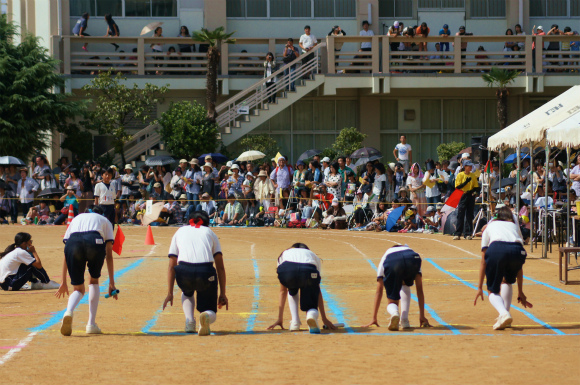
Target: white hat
208, 157
207, 164
335, 202
396, 24
194, 161
540, 27
392, 166
113, 166
183, 161
183, 196
326, 159
128, 167
273, 159
263, 173
229, 164
249, 174
281, 158
465, 155
235, 167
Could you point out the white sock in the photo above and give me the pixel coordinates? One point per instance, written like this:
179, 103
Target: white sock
212, 316
497, 303
94, 293
188, 304
405, 301
506, 292
393, 309
293, 305
74, 300
312, 313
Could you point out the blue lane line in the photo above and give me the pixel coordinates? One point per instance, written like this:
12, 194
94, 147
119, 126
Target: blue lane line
252, 318
527, 313
149, 324
430, 310
553, 287
336, 309
56, 318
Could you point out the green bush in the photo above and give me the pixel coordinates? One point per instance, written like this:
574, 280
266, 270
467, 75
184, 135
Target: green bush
348, 141
446, 151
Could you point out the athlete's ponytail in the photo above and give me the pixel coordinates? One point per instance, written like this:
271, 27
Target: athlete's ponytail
18, 240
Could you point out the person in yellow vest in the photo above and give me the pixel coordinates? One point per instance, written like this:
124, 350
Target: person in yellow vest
466, 181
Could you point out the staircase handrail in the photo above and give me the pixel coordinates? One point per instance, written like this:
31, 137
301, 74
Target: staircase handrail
135, 137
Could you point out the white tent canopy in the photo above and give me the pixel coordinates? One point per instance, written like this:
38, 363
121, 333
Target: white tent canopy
532, 127
567, 133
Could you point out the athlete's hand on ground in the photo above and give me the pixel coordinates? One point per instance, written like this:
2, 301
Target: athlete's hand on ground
479, 294
329, 324
223, 300
277, 323
168, 299
424, 322
373, 322
112, 288
62, 290
523, 300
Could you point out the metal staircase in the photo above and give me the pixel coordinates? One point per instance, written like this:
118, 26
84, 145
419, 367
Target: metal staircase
142, 141
248, 109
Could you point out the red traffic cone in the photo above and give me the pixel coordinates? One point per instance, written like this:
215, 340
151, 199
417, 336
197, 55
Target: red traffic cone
149, 237
71, 214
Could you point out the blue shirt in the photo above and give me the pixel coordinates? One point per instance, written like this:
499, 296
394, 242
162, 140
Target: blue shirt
71, 201
442, 31
81, 23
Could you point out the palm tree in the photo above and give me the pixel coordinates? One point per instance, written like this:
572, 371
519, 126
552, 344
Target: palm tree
214, 40
500, 78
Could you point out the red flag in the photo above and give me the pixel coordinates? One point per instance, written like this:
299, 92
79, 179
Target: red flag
488, 167
119, 240
453, 200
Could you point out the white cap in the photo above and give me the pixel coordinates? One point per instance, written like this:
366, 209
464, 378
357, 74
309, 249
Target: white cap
229, 164
326, 159
465, 155
335, 202
540, 27
235, 167
183, 161
281, 158
207, 164
249, 174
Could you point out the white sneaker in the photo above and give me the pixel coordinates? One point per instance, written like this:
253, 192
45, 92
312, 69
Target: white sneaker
503, 321
294, 326
405, 324
36, 285
44, 286
66, 326
469, 237
394, 323
190, 327
93, 329
203, 325
456, 238
313, 325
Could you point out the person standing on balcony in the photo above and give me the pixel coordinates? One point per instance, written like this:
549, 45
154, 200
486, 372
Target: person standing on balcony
81, 26
404, 153
269, 69
187, 48
423, 31
366, 46
463, 42
539, 32
445, 32
158, 48
337, 32
307, 43
289, 55
112, 29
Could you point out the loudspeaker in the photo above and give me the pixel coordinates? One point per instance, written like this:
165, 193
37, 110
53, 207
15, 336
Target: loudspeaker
479, 152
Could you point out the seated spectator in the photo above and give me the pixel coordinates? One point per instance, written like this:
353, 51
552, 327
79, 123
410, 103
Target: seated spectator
233, 212
299, 180
403, 198
351, 187
69, 198
264, 190
482, 57
159, 193
176, 210
432, 220
251, 211
334, 217
509, 45
413, 221
320, 201
540, 196
31, 216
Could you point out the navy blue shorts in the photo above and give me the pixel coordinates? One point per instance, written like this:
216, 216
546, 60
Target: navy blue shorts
400, 267
84, 250
304, 277
109, 213
503, 260
200, 278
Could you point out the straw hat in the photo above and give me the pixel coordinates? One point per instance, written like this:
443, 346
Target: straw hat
194, 161
263, 173
183, 161
207, 164
183, 196
157, 185
128, 167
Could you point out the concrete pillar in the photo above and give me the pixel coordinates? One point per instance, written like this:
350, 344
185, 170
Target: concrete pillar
214, 14
370, 120
512, 13
30, 17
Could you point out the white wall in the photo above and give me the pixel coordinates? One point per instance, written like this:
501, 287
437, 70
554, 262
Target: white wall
42, 24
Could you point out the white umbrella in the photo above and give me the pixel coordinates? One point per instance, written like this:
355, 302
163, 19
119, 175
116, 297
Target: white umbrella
154, 215
250, 155
151, 27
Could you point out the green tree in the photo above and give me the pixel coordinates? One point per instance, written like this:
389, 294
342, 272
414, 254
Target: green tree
446, 151
263, 143
115, 105
501, 79
348, 141
214, 40
186, 130
31, 104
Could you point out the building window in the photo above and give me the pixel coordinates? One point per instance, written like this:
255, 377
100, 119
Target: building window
395, 8
305, 9
441, 4
488, 8
554, 8
133, 8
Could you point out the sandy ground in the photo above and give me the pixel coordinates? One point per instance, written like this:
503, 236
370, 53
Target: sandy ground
141, 344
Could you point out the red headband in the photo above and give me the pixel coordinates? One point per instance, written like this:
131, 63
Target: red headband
196, 222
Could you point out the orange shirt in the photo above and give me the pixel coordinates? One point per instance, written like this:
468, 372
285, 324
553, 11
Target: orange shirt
418, 31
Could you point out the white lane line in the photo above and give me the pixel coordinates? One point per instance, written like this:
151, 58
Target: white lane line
21, 345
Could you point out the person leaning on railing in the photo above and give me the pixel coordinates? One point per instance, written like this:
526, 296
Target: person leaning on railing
289, 55
307, 43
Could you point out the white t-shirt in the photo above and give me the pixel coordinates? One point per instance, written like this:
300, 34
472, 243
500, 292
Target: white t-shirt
392, 250
501, 231
11, 262
541, 202
300, 256
366, 33
403, 150
106, 194
307, 41
84, 223
377, 185
194, 245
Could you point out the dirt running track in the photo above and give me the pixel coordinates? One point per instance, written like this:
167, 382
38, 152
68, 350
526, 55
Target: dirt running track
143, 345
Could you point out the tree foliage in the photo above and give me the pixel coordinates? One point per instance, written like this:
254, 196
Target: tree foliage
262, 143
31, 102
446, 151
348, 141
501, 78
116, 104
186, 130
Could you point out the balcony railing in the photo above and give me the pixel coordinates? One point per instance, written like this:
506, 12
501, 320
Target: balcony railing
387, 55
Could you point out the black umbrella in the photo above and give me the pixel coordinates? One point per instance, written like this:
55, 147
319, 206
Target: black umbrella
216, 157
47, 192
309, 154
363, 161
504, 182
11, 161
450, 222
160, 160
365, 152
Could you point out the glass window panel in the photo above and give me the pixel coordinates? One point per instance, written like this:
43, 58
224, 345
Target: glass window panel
344, 8
301, 8
283, 141
324, 8
164, 8
475, 114
235, 8
574, 8
415, 141
138, 8
449, 137
496, 8
452, 115
558, 8
282, 121
429, 143
537, 8
114, 7
388, 143
431, 114
478, 8
302, 115
386, 8
346, 114
256, 8
77, 8
389, 114
452, 3
279, 8
324, 116
302, 142
323, 141
429, 3
491, 116
403, 8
